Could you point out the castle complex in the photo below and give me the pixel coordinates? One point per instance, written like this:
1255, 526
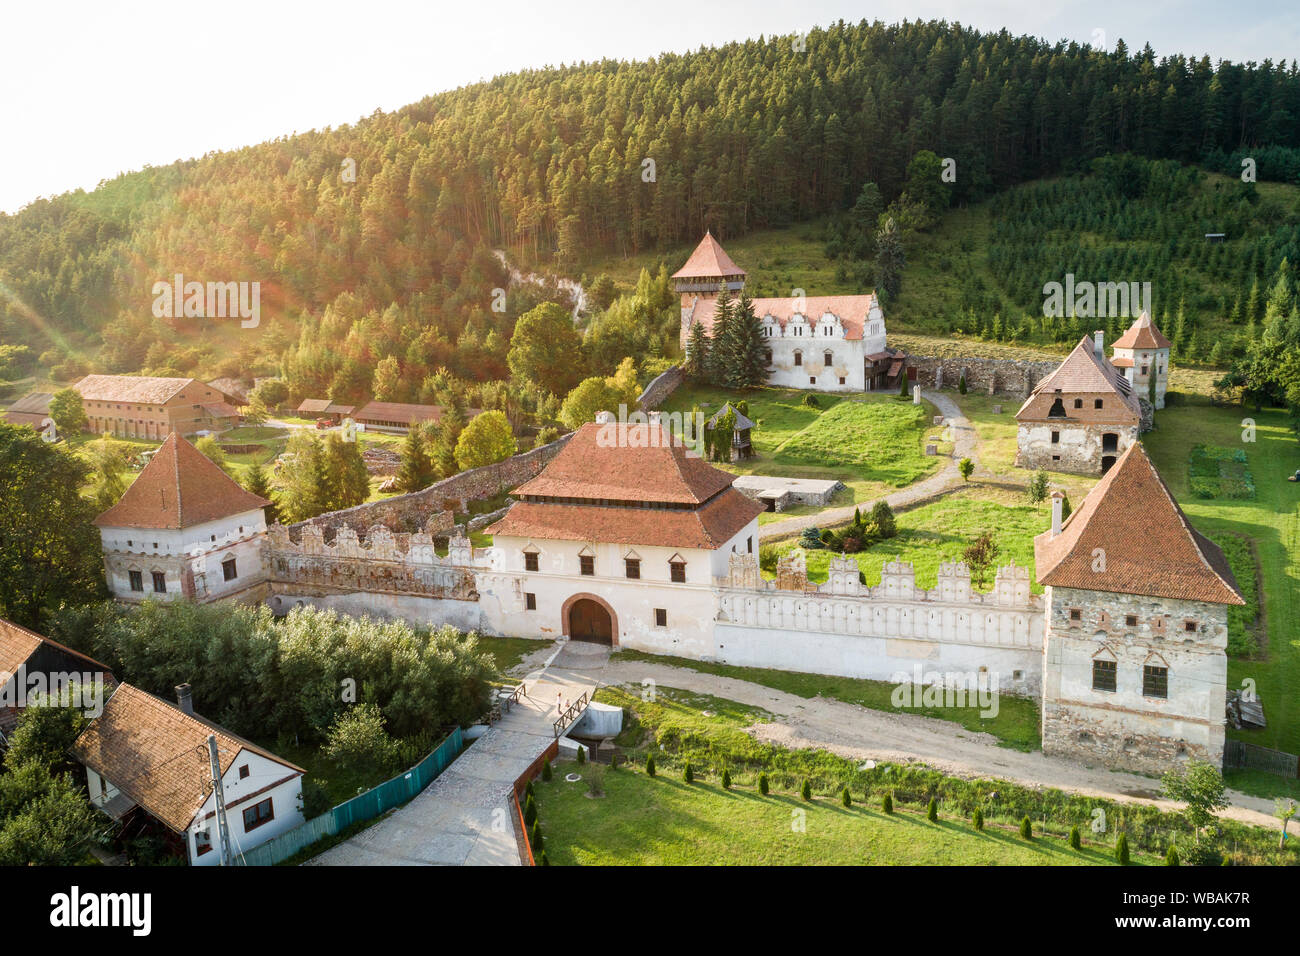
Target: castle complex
623, 538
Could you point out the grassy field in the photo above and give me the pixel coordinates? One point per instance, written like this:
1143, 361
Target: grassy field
931, 534
872, 443
1016, 724
662, 821
1272, 522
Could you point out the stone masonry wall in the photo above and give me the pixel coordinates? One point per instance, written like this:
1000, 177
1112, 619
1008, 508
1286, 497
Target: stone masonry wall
986, 376
411, 513
663, 385
1125, 728
1077, 450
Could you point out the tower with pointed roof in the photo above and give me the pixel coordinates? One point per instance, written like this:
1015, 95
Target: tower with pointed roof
833, 343
184, 529
1141, 353
1081, 418
1134, 654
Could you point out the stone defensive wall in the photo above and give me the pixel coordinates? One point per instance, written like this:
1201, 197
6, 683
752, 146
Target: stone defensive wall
846, 628
412, 512
987, 376
660, 387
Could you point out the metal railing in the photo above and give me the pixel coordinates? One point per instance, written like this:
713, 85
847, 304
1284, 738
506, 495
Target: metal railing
571, 713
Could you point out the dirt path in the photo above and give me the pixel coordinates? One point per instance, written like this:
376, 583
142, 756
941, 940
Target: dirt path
862, 734
948, 478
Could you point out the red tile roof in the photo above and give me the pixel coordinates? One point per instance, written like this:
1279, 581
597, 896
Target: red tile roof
708, 261
1142, 334
851, 310
17, 644
158, 755
402, 412
179, 488
130, 388
1148, 544
1083, 375
623, 462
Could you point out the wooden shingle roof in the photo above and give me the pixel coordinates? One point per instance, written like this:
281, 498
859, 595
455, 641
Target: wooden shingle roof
1142, 334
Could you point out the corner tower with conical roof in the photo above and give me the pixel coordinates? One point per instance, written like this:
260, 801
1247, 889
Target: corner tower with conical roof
1142, 353
1134, 653
184, 529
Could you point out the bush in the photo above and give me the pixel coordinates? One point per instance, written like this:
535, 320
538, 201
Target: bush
762, 784
530, 792
887, 803
961, 383
315, 799
806, 790
810, 400
1202, 853
542, 860
1026, 828
535, 838
1076, 842
688, 775
650, 766
726, 780
546, 771
811, 538
932, 811
530, 812
882, 516
1171, 856
846, 798
358, 739
967, 468
1121, 850
582, 754
977, 819
767, 558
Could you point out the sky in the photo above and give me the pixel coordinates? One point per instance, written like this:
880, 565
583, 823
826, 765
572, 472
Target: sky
89, 90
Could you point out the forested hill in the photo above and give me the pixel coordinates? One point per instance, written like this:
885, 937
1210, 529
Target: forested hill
552, 165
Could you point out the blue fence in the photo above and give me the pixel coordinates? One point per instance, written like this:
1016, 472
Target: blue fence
365, 806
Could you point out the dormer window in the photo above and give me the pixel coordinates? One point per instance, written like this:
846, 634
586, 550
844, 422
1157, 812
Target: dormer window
677, 569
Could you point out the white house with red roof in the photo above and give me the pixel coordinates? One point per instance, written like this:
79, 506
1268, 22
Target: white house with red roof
1135, 652
184, 529
1141, 353
618, 540
830, 343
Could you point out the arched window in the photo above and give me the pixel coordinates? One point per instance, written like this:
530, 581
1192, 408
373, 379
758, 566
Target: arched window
829, 358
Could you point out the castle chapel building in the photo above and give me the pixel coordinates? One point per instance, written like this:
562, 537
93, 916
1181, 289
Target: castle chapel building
832, 343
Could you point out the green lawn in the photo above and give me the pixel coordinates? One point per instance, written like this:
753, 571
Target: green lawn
1271, 521
509, 652
662, 821
873, 443
931, 534
1016, 723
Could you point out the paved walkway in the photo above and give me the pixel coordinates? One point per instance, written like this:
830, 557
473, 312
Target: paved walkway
463, 817
965, 445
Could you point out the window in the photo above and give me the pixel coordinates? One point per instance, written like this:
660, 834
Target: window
1144, 369
587, 564
1078, 403
1103, 675
661, 617
202, 842
530, 560
159, 582
1155, 681
633, 566
812, 380
228, 571
1130, 620
1096, 403
828, 359
678, 571
798, 357
243, 772
749, 545
137, 580
1056, 438
258, 814
1076, 614
530, 601
767, 355
1189, 627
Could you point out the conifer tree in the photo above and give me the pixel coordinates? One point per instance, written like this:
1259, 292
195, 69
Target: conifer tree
417, 469
255, 483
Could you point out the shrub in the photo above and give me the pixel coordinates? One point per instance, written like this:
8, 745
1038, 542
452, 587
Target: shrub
650, 765
1076, 843
961, 383
811, 538
542, 860
726, 780
887, 803
546, 772
596, 780
1171, 856
762, 784
811, 401
806, 790
967, 468
529, 791
767, 558
1026, 828
358, 739
882, 516
846, 798
1202, 853
688, 774
582, 754
1121, 850
535, 838
977, 819
932, 811
530, 812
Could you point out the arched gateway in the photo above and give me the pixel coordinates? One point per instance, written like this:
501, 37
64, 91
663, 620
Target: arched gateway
588, 618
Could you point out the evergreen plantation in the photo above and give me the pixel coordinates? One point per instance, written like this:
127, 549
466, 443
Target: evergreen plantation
372, 284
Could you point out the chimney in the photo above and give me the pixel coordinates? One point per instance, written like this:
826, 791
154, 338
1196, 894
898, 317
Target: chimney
1099, 343
1058, 507
654, 418
604, 418
184, 700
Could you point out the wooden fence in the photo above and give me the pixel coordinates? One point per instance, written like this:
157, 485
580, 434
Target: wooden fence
1239, 755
